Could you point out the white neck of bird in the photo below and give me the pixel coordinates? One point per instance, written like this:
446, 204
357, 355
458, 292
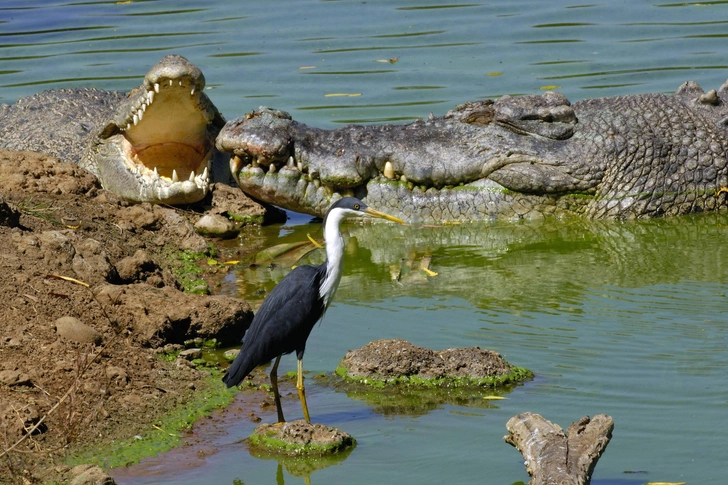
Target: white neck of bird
334, 255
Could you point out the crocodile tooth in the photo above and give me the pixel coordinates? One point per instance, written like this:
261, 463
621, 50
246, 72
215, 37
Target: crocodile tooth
150, 94
300, 166
144, 107
347, 193
175, 178
290, 163
192, 93
156, 174
156, 88
128, 126
403, 179
204, 174
136, 120
272, 168
170, 83
192, 176
389, 170
140, 114
316, 183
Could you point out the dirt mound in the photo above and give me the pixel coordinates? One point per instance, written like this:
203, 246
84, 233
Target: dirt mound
392, 359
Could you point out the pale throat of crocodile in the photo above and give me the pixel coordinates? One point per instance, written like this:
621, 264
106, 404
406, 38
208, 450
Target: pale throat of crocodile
166, 137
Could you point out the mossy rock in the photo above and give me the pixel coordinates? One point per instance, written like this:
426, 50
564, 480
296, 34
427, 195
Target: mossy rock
396, 361
395, 377
300, 438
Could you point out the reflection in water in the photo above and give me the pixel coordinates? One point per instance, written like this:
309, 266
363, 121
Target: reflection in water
301, 466
520, 266
404, 400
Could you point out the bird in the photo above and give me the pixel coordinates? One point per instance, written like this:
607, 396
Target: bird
286, 317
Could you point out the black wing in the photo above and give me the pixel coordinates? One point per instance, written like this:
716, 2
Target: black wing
283, 322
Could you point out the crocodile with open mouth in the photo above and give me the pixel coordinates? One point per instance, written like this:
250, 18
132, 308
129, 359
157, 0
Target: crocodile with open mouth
155, 144
516, 157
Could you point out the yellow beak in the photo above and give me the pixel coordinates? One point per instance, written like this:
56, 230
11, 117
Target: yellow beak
381, 215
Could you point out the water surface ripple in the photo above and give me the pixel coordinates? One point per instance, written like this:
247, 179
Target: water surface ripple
621, 318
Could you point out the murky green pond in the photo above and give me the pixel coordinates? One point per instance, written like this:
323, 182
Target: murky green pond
626, 319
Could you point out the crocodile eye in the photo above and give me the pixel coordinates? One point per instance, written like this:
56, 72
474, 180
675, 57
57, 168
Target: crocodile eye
356, 207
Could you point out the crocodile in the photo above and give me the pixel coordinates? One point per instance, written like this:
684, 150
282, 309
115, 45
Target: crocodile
154, 144
530, 156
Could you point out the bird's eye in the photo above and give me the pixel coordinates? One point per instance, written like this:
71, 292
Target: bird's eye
356, 207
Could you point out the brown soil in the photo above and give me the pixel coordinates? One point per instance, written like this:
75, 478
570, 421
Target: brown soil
79, 364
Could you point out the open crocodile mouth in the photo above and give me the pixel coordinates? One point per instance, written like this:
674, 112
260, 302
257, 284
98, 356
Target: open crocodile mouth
165, 134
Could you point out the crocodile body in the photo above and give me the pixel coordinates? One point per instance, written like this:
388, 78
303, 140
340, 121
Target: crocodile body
517, 157
155, 144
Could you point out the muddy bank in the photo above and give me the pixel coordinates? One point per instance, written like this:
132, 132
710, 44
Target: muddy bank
91, 311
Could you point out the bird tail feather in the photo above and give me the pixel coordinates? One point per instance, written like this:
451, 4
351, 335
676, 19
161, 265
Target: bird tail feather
240, 368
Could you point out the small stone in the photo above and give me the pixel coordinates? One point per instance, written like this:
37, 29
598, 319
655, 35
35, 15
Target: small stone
191, 354
75, 330
231, 354
213, 225
90, 475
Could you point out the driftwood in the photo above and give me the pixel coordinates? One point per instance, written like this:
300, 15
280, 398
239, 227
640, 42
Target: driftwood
554, 458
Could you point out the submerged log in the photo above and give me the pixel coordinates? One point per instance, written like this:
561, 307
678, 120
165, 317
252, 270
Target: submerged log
554, 458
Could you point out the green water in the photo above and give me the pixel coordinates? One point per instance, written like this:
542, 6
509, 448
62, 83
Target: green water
626, 319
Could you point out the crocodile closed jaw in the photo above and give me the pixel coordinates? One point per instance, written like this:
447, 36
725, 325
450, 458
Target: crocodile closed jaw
515, 157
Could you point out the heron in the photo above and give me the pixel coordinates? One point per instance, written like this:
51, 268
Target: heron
284, 321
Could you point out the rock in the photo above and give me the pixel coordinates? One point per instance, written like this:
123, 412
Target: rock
213, 225
90, 475
230, 355
14, 378
300, 437
191, 354
75, 330
396, 359
232, 203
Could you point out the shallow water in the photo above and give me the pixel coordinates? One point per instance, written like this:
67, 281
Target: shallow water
626, 319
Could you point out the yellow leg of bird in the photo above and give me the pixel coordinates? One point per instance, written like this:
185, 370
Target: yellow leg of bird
276, 394
302, 392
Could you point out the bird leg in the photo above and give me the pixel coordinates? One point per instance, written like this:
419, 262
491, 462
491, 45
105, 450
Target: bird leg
302, 392
276, 394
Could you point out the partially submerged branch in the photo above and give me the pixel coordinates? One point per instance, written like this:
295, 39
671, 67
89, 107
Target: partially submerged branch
552, 457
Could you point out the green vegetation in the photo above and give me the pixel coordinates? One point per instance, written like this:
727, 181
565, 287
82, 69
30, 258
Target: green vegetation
516, 375
165, 433
246, 220
187, 270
